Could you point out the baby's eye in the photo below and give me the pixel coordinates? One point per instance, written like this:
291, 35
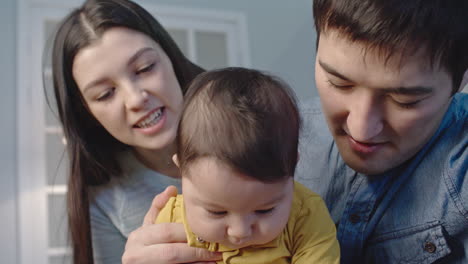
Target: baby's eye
217, 213
265, 211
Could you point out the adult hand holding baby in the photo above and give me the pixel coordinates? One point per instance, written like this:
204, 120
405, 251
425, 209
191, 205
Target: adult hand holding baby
163, 243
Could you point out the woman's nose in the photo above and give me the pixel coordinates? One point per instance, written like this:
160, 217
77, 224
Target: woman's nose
135, 96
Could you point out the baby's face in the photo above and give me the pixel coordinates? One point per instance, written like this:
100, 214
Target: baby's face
235, 210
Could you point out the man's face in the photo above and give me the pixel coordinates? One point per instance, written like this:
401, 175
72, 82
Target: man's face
379, 112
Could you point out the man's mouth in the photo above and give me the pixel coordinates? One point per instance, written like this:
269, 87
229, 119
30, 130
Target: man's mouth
363, 147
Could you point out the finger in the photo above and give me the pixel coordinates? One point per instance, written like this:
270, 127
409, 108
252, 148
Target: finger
180, 253
156, 234
205, 262
158, 203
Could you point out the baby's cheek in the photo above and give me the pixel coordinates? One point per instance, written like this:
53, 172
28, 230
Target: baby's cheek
272, 227
208, 230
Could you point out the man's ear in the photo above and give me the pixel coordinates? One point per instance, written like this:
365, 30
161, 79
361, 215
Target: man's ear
175, 160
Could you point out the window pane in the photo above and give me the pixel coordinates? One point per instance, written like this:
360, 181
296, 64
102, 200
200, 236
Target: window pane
181, 38
57, 221
50, 108
211, 49
60, 260
49, 30
57, 160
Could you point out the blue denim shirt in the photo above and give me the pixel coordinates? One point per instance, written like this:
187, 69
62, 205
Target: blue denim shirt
415, 213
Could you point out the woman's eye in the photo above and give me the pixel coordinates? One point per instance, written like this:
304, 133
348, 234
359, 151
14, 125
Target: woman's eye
106, 95
265, 211
147, 68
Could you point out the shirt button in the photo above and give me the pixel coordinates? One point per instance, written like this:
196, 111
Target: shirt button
354, 218
430, 247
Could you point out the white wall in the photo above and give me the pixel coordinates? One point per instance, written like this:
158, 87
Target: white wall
8, 210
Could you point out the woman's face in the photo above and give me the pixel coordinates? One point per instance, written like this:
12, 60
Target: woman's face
130, 87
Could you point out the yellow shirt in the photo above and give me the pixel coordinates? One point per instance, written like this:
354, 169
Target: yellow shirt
309, 236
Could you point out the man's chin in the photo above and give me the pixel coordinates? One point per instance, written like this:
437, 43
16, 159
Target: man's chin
368, 166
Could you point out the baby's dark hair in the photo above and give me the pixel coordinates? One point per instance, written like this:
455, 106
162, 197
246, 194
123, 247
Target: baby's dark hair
246, 119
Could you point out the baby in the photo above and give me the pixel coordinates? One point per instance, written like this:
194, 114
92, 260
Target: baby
237, 151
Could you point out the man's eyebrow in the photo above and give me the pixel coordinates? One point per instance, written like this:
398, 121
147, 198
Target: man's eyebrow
132, 59
410, 90
332, 71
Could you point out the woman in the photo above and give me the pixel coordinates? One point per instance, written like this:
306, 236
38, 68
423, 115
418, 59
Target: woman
119, 81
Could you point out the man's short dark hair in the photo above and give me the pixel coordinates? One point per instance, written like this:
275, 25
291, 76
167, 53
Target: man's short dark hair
244, 118
391, 26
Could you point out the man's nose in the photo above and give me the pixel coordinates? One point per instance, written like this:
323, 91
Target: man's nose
365, 118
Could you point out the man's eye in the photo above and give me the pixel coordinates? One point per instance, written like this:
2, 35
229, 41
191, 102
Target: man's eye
107, 94
332, 84
408, 105
217, 213
147, 68
265, 211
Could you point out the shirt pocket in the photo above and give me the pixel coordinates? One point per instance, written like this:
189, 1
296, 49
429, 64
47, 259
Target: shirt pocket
420, 244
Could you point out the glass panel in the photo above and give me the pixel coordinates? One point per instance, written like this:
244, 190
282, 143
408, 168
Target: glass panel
57, 221
57, 160
60, 260
211, 49
181, 38
50, 107
49, 30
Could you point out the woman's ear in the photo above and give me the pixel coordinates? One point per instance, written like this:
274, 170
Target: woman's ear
175, 160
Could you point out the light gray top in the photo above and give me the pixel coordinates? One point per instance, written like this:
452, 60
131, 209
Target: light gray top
118, 207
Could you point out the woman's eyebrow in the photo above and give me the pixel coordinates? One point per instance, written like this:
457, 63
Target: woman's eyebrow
332, 71
138, 54
131, 60
94, 84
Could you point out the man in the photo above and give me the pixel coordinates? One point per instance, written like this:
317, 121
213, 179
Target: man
386, 145
393, 172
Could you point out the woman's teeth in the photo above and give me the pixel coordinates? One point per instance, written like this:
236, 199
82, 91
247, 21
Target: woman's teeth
151, 120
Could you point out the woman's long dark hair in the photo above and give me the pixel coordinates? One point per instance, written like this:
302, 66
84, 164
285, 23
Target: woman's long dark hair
91, 149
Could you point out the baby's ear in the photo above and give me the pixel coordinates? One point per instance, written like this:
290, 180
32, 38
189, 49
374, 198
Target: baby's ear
175, 160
